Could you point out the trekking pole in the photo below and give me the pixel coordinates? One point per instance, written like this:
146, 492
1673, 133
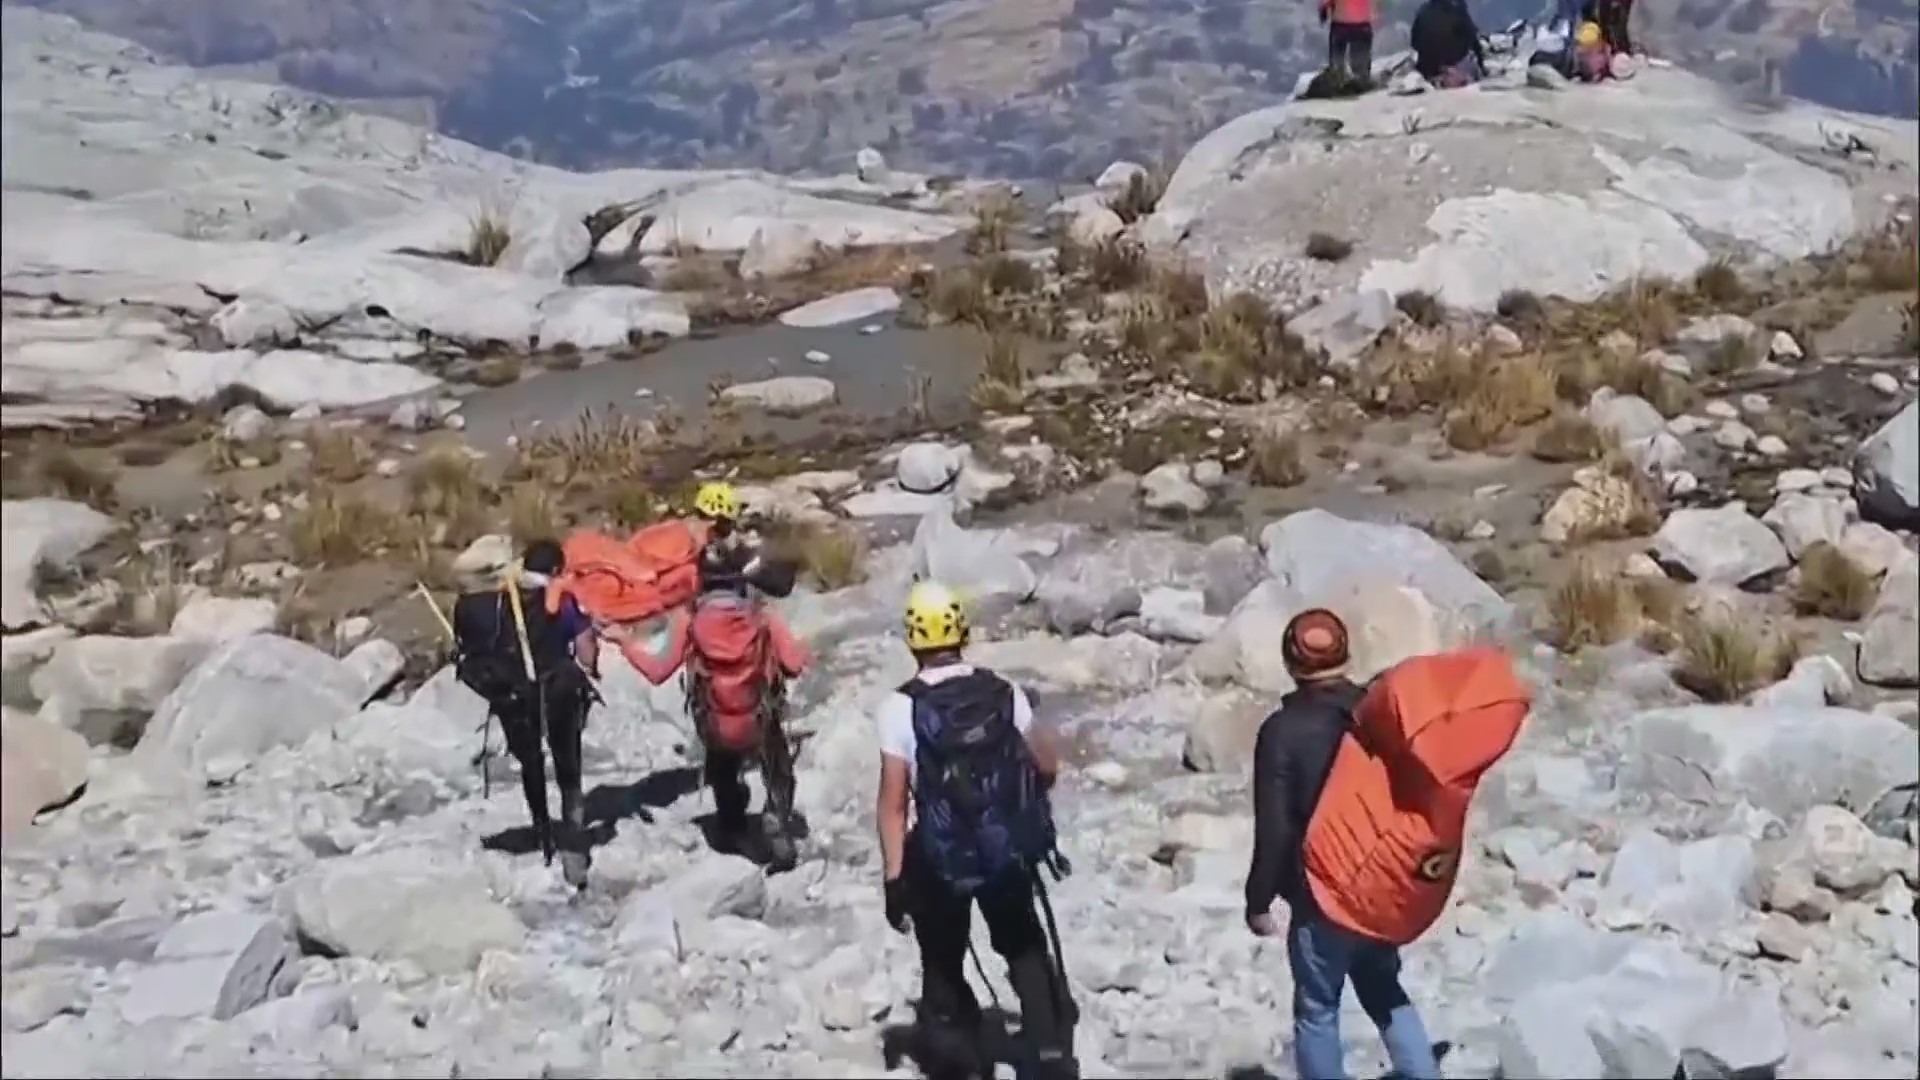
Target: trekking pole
981, 970
1063, 998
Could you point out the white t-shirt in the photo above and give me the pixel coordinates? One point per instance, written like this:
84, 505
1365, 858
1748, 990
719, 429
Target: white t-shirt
896, 716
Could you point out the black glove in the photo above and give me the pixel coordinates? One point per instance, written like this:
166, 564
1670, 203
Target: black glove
895, 891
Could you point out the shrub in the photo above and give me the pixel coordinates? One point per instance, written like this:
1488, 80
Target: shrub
338, 529
1140, 196
69, 476
487, 238
1116, 264
1592, 605
1521, 307
1831, 585
339, 456
1513, 393
1568, 436
1275, 460
1724, 657
993, 226
1718, 282
1424, 308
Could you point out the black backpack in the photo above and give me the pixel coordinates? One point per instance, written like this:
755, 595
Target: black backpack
486, 646
981, 807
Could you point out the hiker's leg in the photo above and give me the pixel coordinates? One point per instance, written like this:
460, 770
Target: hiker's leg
566, 719
730, 794
948, 1018
1376, 982
1014, 925
523, 742
776, 772
1317, 953
1360, 55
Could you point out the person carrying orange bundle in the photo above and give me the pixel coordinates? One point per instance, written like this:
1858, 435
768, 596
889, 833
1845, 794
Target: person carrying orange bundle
738, 656
1293, 756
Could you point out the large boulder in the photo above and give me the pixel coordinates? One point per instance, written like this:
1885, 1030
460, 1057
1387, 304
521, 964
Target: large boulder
1386, 623
784, 395
214, 965
105, 686
1781, 760
250, 695
425, 905
725, 216
1316, 556
41, 534
854, 305
1886, 471
1722, 546
1890, 642
1402, 177
982, 564
41, 765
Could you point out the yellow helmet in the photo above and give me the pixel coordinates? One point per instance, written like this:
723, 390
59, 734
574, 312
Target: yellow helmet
1588, 35
935, 619
717, 500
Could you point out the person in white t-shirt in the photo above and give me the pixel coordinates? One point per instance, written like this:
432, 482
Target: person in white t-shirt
936, 866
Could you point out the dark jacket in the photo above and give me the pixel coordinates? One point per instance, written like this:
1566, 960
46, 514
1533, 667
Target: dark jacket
1443, 35
1291, 759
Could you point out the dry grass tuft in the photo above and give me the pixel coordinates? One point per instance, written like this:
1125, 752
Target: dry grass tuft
339, 457
1512, 393
1592, 605
1275, 460
1236, 347
1723, 657
1424, 308
1719, 283
487, 238
1183, 288
1569, 436
1649, 310
993, 226
1405, 381
1140, 196
447, 488
598, 450
153, 589
1889, 260
532, 514
830, 556
1003, 379
339, 529
1832, 586
1325, 247
1579, 373
61, 472
501, 370
1114, 264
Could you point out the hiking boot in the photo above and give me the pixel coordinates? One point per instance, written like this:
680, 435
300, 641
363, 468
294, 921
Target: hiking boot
782, 853
573, 868
544, 831
1056, 1065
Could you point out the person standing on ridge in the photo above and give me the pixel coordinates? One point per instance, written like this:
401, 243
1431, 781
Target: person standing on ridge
1446, 44
964, 819
1293, 755
1349, 43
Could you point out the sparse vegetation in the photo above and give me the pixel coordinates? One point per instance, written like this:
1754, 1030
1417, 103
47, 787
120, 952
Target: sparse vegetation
1183, 288
532, 514
1424, 308
487, 238
1140, 196
1275, 460
1579, 373
829, 555
1723, 657
1719, 282
446, 488
598, 451
1405, 381
1115, 264
1512, 393
1831, 585
1568, 436
1592, 605
1325, 247
993, 226
340, 457
1889, 260
63, 473
501, 370
1521, 308
1002, 384
338, 529
152, 590
1230, 351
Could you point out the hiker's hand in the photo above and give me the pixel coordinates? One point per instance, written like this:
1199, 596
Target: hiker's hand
895, 891
1261, 923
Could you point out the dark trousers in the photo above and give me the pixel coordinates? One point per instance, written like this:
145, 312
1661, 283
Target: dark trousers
1350, 51
1613, 17
725, 770
565, 719
950, 1017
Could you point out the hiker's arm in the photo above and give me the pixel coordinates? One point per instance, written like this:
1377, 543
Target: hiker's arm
890, 815
1042, 741
1273, 825
787, 649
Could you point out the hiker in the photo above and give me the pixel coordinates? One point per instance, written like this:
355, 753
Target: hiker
535, 669
726, 555
739, 655
1613, 17
1293, 755
1349, 43
1446, 44
1592, 61
958, 745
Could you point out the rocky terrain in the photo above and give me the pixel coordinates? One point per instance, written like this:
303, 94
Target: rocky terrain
272, 369
1053, 89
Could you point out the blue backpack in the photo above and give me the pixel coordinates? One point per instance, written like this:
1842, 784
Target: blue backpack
982, 809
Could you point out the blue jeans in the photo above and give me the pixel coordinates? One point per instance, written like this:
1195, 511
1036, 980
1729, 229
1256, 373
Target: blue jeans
1323, 957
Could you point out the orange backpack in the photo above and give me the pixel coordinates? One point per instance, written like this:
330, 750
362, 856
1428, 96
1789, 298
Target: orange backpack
1384, 844
651, 572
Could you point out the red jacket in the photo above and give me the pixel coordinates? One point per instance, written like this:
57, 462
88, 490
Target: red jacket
1348, 11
